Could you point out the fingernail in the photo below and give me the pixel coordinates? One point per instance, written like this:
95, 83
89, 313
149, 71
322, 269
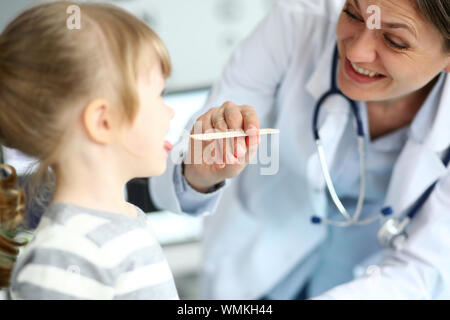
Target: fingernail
253, 134
251, 130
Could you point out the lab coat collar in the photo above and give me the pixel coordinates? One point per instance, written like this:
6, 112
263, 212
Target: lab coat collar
437, 135
416, 169
319, 82
420, 162
421, 128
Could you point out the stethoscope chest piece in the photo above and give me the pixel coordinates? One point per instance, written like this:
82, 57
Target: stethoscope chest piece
392, 233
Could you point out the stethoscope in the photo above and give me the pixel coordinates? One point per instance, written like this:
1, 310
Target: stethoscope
392, 233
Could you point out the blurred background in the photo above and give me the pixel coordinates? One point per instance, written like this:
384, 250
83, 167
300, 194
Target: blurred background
200, 36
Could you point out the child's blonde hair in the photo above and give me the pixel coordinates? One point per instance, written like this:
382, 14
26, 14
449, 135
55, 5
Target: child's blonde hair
47, 71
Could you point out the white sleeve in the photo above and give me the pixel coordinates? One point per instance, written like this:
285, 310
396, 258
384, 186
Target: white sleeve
251, 77
421, 270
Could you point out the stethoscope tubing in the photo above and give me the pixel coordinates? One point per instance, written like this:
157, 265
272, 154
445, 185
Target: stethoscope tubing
334, 90
354, 220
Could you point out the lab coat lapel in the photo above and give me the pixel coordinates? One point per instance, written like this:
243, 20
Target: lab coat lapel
319, 82
332, 121
417, 168
439, 137
420, 163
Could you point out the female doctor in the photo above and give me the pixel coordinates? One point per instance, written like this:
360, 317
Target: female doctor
260, 242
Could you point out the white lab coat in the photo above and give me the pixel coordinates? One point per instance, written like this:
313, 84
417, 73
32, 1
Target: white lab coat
261, 228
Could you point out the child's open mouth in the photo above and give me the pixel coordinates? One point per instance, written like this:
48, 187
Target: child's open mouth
167, 146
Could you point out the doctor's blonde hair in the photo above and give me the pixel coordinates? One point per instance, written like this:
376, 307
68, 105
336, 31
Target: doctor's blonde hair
48, 73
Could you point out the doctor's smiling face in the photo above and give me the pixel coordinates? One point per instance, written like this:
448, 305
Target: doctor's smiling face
385, 64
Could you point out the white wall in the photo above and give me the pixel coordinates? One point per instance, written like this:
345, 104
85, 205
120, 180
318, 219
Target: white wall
9, 9
200, 34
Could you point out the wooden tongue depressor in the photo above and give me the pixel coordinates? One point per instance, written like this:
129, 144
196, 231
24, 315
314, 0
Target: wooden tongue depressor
230, 134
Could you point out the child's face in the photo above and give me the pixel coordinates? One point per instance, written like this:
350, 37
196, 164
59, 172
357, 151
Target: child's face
145, 138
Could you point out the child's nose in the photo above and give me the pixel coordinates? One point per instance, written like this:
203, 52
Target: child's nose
171, 112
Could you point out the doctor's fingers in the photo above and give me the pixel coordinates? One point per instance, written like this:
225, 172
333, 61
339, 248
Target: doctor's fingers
244, 118
202, 125
217, 151
235, 121
250, 117
251, 124
228, 117
234, 117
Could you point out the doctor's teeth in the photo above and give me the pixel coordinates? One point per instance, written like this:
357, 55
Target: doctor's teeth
363, 71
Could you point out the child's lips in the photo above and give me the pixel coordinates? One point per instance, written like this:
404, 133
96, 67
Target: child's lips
167, 146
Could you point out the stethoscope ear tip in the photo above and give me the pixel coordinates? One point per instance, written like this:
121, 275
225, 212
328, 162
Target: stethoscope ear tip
316, 220
387, 211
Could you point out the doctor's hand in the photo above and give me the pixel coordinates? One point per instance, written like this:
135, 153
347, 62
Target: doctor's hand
210, 162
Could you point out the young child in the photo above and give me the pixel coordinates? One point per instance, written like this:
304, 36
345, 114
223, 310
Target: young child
87, 103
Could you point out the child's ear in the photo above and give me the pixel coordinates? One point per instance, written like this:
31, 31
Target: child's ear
99, 121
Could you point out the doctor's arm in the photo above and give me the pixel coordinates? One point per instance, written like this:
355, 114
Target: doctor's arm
250, 80
421, 270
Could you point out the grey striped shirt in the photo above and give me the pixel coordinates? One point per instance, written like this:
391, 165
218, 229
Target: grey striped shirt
80, 253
